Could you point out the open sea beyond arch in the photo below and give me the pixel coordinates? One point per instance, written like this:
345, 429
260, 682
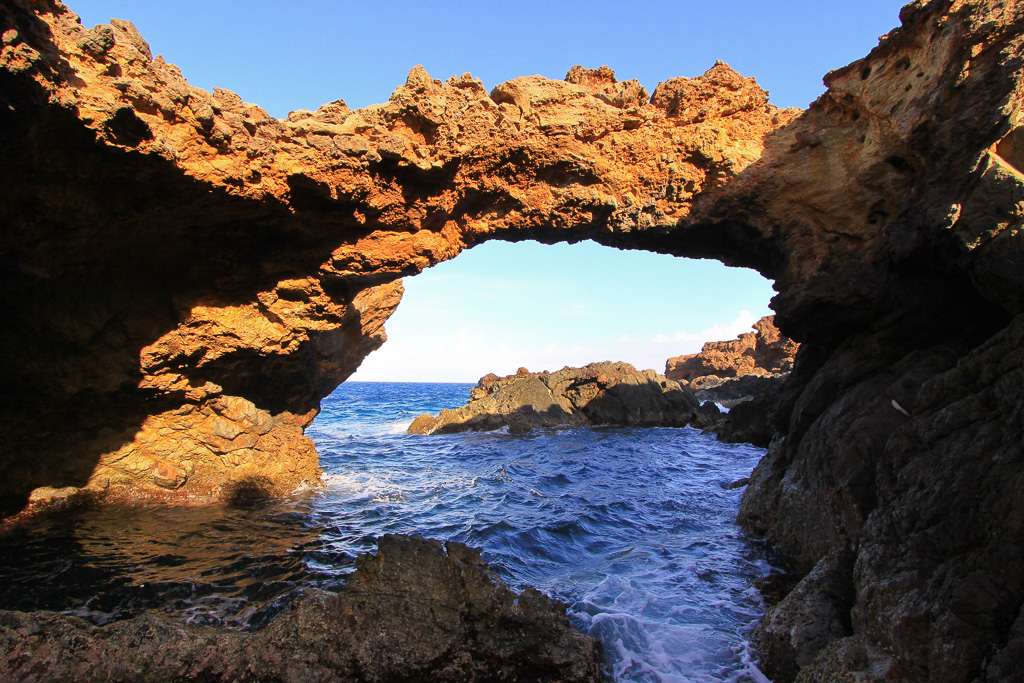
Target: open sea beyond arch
631, 528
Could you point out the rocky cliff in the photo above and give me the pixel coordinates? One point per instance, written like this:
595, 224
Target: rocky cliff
765, 352
184, 277
743, 375
597, 394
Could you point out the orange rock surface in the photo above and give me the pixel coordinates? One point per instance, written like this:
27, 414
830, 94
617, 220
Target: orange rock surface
763, 352
186, 277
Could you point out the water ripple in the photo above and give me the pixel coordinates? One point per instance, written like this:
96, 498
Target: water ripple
631, 528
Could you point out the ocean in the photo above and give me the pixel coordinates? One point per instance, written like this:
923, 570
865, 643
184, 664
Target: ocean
631, 528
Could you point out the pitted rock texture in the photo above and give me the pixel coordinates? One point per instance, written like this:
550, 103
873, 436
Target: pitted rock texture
164, 248
743, 375
765, 352
416, 610
597, 394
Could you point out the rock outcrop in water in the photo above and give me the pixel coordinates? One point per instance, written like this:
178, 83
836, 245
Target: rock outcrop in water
416, 610
729, 372
598, 394
744, 375
185, 277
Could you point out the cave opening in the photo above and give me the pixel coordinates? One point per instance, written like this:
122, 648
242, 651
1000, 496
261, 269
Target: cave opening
504, 305
632, 528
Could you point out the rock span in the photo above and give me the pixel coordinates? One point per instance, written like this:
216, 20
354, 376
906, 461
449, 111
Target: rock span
184, 277
598, 394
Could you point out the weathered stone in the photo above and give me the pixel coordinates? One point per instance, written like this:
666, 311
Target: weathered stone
140, 285
351, 145
816, 612
745, 376
416, 610
853, 660
765, 352
95, 42
600, 393
125, 31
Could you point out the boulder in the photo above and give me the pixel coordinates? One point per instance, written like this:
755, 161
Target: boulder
416, 610
599, 393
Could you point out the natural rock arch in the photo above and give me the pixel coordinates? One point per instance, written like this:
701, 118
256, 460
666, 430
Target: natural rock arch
185, 277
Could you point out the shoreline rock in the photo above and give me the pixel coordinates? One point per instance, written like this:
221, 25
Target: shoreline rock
597, 394
415, 610
166, 247
743, 375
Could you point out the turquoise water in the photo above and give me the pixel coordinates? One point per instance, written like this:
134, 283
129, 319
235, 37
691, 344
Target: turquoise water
631, 528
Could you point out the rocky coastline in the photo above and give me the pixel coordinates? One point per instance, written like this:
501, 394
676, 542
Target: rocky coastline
414, 610
730, 372
744, 376
598, 394
185, 277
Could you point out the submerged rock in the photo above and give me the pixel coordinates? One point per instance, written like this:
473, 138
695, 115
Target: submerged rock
417, 610
599, 393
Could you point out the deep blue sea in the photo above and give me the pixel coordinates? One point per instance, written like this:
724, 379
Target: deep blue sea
631, 528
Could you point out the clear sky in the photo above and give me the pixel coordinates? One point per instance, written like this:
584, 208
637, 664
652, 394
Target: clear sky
499, 306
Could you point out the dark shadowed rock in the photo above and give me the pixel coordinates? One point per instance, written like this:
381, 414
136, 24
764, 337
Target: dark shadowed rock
600, 393
743, 375
815, 612
417, 610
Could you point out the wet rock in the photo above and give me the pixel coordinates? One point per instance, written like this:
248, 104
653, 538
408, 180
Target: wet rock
855, 660
816, 612
599, 393
416, 610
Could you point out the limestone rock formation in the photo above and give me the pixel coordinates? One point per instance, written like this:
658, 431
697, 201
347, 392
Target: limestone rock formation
416, 610
185, 277
170, 257
732, 371
599, 393
744, 375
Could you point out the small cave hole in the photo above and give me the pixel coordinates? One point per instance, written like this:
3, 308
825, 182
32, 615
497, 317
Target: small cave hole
899, 163
1011, 148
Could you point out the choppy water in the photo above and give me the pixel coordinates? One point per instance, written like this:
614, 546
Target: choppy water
631, 528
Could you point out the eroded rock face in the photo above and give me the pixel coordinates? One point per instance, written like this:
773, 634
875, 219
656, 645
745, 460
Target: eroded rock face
765, 352
600, 393
744, 375
166, 251
416, 610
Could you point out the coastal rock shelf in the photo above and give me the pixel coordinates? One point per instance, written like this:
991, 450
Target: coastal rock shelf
743, 375
598, 394
186, 277
415, 610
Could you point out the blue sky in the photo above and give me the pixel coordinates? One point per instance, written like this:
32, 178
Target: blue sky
499, 306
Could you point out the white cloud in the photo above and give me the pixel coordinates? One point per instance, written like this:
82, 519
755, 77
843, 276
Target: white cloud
467, 354
743, 323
